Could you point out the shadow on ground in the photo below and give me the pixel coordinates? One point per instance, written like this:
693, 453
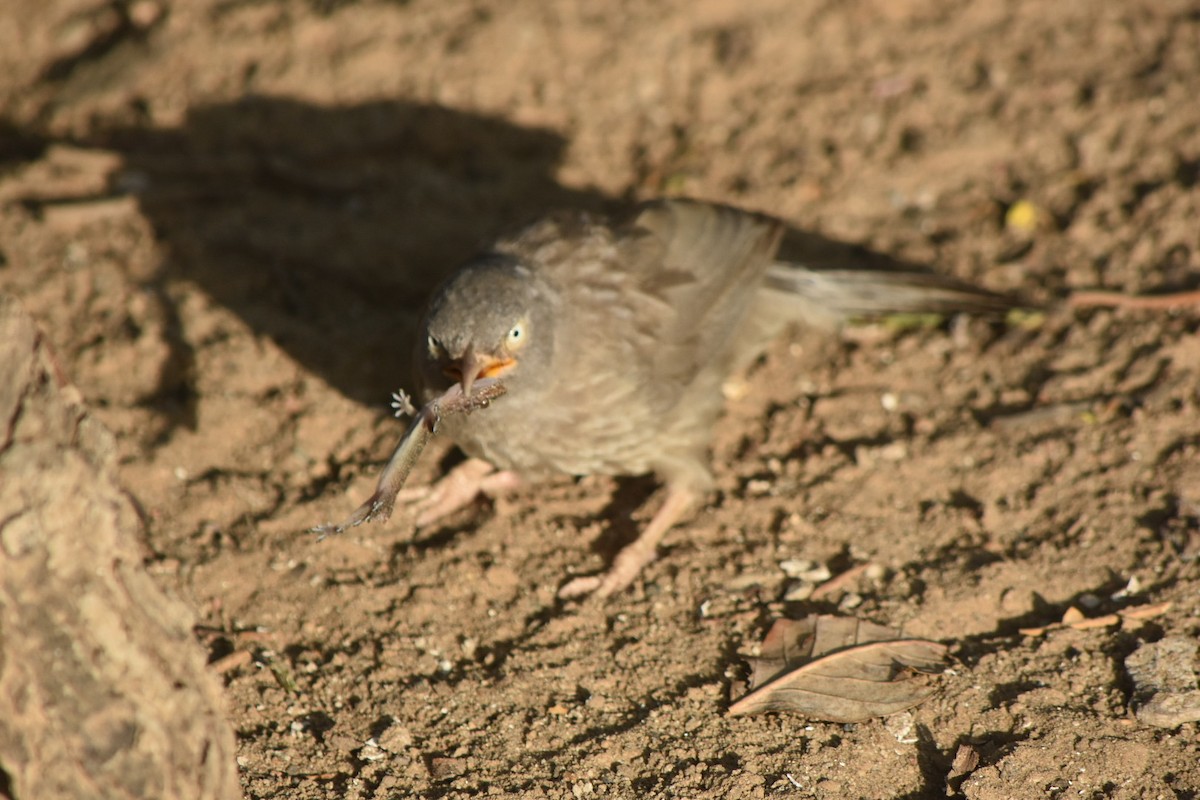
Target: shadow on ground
324, 228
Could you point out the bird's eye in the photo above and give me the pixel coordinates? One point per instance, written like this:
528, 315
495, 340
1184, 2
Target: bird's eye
435, 349
516, 336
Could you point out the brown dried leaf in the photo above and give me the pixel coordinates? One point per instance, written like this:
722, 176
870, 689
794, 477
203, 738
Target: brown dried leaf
838, 669
792, 642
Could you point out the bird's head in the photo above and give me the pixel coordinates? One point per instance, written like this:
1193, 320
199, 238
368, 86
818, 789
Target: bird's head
491, 319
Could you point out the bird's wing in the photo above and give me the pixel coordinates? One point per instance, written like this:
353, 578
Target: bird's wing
654, 302
699, 266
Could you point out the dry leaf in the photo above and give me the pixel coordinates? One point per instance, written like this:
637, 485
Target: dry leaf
838, 669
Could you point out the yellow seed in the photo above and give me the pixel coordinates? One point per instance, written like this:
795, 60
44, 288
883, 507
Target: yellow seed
1024, 217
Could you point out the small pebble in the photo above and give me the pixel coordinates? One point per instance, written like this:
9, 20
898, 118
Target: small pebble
371, 751
798, 591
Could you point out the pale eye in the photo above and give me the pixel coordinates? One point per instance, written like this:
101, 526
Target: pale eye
516, 336
435, 349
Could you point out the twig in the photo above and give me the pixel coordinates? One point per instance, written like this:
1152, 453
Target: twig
839, 582
238, 658
1094, 299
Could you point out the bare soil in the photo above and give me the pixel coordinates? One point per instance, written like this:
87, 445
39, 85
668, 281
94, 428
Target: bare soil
225, 215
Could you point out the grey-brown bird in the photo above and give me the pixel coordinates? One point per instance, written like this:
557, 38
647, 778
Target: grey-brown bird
613, 340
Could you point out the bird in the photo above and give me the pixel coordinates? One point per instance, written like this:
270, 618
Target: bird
613, 337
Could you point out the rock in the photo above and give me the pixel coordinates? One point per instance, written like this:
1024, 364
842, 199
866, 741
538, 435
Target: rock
1166, 693
103, 689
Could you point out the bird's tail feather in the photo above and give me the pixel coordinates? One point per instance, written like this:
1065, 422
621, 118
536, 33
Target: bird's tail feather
842, 294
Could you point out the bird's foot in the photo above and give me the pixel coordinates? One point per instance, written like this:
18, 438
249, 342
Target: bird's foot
630, 562
457, 489
625, 568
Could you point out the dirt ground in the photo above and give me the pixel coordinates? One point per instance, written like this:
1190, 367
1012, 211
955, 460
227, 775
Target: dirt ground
226, 213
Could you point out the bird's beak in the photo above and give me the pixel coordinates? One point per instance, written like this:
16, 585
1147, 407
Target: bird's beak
472, 366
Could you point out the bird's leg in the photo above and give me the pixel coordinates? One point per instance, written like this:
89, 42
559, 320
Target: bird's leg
458, 489
637, 554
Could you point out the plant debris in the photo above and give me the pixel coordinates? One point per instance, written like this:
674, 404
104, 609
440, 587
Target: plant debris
966, 761
1151, 302
839, 669
424, 425
1075, 619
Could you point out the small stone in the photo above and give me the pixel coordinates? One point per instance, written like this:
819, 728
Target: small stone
795, 567
371, 751
469, 647
144, 13
901, 727
850, 601
341, 742
798, 591
395, 738
1134, 586
444, 768
803, 570
758, 487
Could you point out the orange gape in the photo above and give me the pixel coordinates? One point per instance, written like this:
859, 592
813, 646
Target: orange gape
488, 369
498, 368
